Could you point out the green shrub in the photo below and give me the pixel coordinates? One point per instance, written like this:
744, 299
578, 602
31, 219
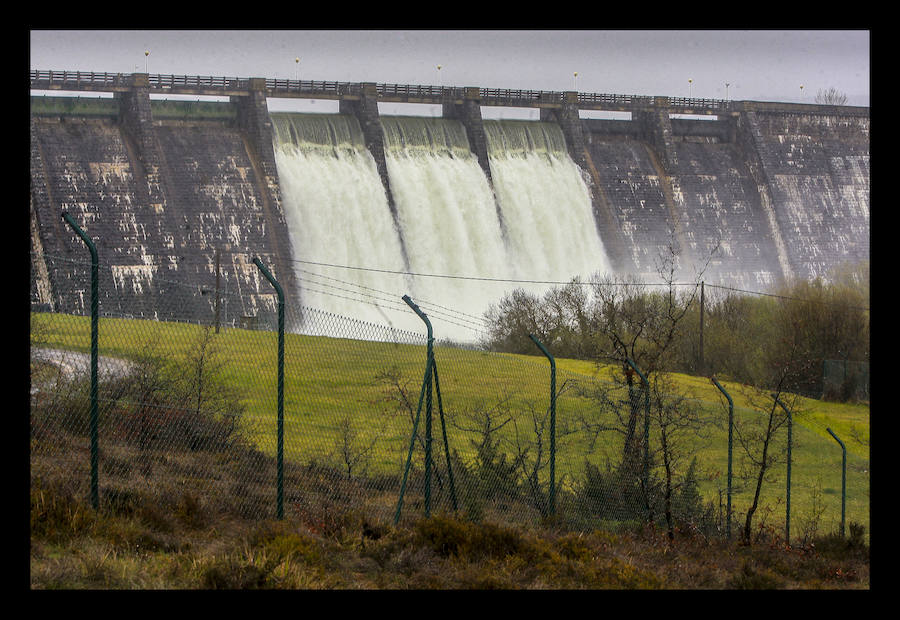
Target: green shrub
473, 541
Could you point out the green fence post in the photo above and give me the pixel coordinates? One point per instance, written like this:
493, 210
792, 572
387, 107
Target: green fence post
552, 422
437, 389
95, 320
279, 507
428, 402
790, 443
843, 479
412, 443
730, 446
646, 475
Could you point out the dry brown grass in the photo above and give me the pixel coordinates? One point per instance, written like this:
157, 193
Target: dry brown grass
132, 546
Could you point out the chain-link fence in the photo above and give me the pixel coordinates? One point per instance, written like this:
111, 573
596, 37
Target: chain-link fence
188, 411
845, 380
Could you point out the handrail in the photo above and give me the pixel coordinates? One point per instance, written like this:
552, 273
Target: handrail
91, 80
163, 82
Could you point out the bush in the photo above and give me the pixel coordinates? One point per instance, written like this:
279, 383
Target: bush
610, 495
451, 538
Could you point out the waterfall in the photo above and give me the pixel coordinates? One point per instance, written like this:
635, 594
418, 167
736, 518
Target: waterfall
545, 201
536, 223
447, 215
337, 212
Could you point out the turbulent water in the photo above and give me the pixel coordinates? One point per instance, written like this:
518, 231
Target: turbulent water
337, 212
535, 224
446, 213
545, 202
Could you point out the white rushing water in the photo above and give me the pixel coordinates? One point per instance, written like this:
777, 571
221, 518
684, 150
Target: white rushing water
446, 216
337, 212
545, 201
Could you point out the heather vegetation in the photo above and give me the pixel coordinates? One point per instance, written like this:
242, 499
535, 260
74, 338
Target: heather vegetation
146, 538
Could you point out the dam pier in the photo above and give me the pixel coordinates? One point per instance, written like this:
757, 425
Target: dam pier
190, 191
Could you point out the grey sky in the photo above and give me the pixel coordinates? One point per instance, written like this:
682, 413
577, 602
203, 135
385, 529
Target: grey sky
758, 64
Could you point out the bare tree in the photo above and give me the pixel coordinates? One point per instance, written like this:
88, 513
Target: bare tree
482, 423
206, 392
532, 449
641, 325
756, 435
352, 451
397, 393
680, 422
831, 96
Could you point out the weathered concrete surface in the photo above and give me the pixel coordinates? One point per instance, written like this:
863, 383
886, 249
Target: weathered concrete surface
818, 171
157, 218
764, 194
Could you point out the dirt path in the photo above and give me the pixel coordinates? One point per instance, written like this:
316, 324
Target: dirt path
72, 363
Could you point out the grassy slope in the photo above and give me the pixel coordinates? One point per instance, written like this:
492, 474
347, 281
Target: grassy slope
328, 378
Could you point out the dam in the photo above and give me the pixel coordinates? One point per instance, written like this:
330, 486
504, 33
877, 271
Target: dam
185, 192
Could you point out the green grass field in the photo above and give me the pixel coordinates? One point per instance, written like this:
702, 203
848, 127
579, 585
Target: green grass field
329, 380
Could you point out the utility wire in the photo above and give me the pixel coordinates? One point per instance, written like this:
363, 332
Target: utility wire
809, 301
565, 282
380, 303
390, 302
463, 316
521, 281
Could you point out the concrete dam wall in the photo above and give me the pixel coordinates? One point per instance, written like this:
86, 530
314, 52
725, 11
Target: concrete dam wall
764, 192
766, 196
161, 208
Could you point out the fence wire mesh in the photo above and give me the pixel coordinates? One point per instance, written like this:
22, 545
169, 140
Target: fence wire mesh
188, 407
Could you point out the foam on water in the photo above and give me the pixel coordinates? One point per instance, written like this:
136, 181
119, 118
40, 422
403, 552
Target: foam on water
536, 223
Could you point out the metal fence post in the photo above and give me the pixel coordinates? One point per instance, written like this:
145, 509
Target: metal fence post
843, 479
431, 374
437, 389
428, 401
702, 312
218, 292
412, 444
552, 422
279, 507
730, 446
95, 319
790, 443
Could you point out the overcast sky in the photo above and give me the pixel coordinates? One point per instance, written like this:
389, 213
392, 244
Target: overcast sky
769, 65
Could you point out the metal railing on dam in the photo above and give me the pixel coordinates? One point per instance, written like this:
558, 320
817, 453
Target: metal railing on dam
397, 93
407, 93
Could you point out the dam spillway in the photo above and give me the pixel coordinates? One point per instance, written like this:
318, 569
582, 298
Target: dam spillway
766, 192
